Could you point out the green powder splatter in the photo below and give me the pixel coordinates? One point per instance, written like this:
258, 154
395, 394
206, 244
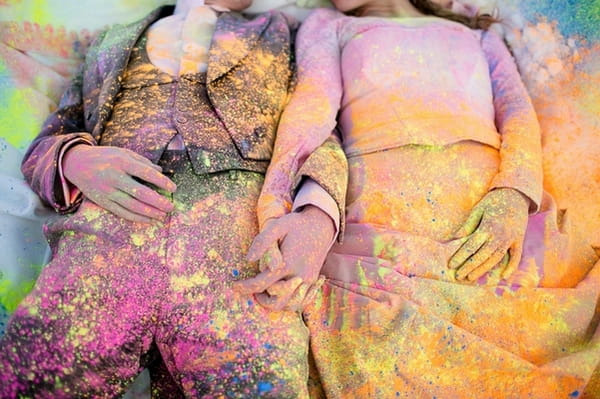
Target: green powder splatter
17, 124
574, 17
11, 294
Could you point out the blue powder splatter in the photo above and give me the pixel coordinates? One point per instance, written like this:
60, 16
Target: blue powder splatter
264, 386
574, 17
3, 319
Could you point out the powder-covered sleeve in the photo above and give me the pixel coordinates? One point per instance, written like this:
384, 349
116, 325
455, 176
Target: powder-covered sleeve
310, 116
327, 166
63, 128
41, 162
520, 150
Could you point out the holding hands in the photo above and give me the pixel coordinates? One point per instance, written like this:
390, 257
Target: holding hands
291, 251
105, 175
496, 227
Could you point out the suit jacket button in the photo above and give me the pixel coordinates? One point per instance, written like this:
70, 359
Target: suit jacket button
260, 132
181, 119
203, 158
245, 145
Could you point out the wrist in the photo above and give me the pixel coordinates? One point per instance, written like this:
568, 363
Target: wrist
515, 194
70, 159
319, 218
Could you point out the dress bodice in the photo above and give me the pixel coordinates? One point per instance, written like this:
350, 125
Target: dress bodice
401, 82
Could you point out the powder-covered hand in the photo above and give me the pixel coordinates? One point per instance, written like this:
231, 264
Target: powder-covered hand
105, 175
291, 251
496, 227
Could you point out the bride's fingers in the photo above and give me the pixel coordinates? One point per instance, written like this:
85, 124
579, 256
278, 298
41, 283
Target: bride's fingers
493, 261
472, 245
515, 253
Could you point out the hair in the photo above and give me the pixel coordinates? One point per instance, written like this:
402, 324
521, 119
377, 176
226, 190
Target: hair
479, 21
428, 7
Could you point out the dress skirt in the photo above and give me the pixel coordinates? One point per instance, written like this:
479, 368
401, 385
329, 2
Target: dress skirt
392, 321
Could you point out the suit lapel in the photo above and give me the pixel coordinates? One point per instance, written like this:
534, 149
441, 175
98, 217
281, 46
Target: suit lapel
112, 59
234, 37
119, 41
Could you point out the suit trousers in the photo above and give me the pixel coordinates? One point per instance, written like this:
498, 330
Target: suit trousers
117, 291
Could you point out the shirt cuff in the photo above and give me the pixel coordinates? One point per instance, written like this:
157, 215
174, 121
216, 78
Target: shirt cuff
70, 192
311, 193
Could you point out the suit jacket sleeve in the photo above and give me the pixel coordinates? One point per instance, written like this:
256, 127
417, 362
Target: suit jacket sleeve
304, 146
64, 127
520, 150
328, 167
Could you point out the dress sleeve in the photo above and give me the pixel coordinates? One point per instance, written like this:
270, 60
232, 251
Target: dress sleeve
61, 130
520, 151
308, 121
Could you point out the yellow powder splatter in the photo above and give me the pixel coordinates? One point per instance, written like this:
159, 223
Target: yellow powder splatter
180, 283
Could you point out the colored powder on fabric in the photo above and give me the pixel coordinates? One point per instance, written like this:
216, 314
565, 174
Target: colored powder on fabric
17, 131
362, 277
39, 11
264, 386
12, 294
221, 324
187, 282
574, 17
382, 272
138, 239
569, 112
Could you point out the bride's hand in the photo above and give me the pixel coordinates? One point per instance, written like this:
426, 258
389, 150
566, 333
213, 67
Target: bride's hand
496, 229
